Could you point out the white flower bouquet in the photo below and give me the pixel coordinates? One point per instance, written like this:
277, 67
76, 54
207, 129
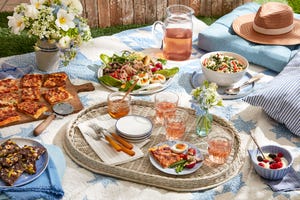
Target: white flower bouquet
204, 98
57, 21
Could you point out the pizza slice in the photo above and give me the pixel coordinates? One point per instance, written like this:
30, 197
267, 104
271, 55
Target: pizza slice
31, 94
55, 95
9, 99
32, 108
164, 155
32, 80
8, 85
8, 114
55, 80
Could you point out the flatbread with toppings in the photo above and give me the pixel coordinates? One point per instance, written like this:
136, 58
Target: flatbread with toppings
8, 114
55, 80
32, 80
164, 155
8, 85
55, 95
32, 108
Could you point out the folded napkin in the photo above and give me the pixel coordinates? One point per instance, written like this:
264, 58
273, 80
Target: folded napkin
220, 36
290, 182
10, 71
48, 185
106, 152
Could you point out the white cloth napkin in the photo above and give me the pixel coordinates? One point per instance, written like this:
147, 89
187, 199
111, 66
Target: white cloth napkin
102, 148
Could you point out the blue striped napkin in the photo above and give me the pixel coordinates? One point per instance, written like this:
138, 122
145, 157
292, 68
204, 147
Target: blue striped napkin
290, 182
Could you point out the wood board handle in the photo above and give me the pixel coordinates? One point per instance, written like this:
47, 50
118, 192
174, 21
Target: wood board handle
84, 87
43, 125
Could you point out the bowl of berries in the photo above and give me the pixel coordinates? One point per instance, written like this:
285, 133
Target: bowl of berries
274, 164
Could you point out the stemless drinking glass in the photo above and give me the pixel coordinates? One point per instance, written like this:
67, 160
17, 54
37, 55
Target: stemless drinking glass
219, 146
117, 106
164, 102
178, 31
175, 124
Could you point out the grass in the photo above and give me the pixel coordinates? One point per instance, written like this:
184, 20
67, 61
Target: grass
19, 44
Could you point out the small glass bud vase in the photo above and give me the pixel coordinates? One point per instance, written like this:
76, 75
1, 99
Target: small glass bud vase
204, 124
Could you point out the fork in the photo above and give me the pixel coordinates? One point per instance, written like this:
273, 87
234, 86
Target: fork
123, 146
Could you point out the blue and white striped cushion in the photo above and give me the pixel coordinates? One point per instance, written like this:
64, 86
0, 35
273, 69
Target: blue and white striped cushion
280, 99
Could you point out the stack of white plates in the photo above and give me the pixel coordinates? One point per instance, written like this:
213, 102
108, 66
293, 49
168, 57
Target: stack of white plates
134, 128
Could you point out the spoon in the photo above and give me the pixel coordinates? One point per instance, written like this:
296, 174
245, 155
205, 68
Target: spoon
236, 90
130, 89
260, 150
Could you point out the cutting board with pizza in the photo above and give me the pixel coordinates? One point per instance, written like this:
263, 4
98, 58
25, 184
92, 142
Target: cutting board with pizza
31, 97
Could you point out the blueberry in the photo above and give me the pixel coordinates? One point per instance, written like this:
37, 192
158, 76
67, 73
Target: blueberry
260, 158
271, 162
271, 155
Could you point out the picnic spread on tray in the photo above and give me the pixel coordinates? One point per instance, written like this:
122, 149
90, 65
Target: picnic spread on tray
130, 151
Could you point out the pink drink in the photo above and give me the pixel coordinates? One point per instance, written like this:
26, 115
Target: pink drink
219, 149
175, 130
161, 108
177, 44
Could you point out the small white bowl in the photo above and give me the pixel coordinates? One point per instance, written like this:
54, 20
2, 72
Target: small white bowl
220, 78
272, 174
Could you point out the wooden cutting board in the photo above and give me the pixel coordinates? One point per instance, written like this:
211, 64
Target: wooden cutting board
75, 101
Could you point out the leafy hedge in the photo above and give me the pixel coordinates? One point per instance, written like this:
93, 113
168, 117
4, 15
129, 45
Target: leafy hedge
295, 4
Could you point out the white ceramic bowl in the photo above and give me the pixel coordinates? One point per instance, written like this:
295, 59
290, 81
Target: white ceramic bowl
220, 78
272, 174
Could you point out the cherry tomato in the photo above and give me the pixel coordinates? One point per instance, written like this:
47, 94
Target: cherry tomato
183, 156
190, 165
114, 74
158, 65
191, 151
154, 69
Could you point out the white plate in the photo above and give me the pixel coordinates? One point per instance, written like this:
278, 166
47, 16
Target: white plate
151, 89
41, 164
172, 171
198, 78
134, 126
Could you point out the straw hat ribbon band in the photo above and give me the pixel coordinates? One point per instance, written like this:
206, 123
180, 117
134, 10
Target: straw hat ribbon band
277, 31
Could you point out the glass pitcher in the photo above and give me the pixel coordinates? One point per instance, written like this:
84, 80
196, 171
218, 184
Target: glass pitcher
178, 31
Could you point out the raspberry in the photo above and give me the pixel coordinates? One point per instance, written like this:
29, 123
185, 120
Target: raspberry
279, 164
265, 160
277, 159
261, 164
280, 154
273, 166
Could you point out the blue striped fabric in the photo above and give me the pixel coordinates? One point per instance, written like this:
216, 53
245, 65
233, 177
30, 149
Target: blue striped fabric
280, 99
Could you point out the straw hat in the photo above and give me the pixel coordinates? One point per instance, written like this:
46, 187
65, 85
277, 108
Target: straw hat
274, 24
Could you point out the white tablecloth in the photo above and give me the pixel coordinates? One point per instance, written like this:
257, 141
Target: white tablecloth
82, 184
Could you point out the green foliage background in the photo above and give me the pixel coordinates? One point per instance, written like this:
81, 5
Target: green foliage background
11, 44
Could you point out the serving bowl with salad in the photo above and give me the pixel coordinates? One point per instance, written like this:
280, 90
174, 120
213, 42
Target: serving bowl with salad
223, 68
119, 72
